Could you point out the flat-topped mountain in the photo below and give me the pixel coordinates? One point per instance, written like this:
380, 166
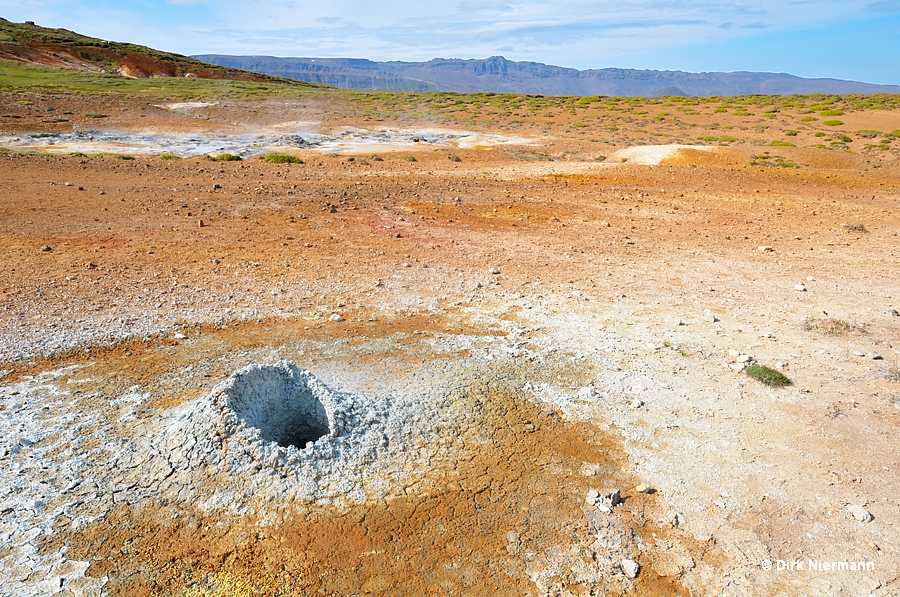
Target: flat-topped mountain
499, 75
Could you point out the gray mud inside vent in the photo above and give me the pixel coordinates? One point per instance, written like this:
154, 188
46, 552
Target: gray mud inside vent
279, 403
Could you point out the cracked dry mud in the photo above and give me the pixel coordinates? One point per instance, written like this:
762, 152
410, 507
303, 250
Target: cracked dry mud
511, 335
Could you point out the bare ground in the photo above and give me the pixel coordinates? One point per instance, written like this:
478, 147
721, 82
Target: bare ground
579, 323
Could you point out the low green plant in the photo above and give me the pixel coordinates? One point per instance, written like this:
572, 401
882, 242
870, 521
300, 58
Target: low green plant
833, 122
410, 158
868, 133
376, 158
600, 158
169, 156
818, 134
281, 158
77, 154
808, 119
118, 156
893, 374
791, 133
768, 376
778, 143
831, 113
227, 157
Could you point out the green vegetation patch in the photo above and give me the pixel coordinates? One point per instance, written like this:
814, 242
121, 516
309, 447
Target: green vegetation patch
768, 376
169, 156
226, 157
833, 122
778, 143
118, 156
281, 158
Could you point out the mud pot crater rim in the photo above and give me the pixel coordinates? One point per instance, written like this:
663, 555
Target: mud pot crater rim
281, 404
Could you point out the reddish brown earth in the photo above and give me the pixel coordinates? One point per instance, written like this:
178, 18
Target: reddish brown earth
625, 249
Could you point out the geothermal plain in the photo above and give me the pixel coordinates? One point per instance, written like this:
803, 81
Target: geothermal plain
513, 330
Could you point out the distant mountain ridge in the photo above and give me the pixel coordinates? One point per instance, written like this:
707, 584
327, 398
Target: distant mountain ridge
499, 75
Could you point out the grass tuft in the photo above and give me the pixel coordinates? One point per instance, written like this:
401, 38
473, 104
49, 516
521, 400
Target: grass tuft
281, 158
833, 122
853, 227
768, 376
227, 157
832, 326
169, 156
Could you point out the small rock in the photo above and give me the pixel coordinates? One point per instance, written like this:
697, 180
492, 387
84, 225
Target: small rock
46, 248
810, 279
630, 568
636, 403
765, 248
604, 508
799, 287
494, 271
643, 488
614, 498
709, 317
200, 224
738, 367
216, 261
744, 358
179, 336
453, 158
593, 496
406, 264
875, 356
859, 353
891, 313
860, 513
335, 317
677, 521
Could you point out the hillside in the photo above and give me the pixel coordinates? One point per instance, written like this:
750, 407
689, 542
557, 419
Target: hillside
30, 43
499, 75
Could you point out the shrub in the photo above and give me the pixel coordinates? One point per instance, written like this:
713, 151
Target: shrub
791, 133
819, 134
281, 158
375, 158
831, 113
410, 158
169, 156
833, 122
868, 133
808, 119
777, 143
77, 154
227, 157
767, 375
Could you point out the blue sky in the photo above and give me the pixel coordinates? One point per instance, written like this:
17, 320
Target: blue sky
845, 39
